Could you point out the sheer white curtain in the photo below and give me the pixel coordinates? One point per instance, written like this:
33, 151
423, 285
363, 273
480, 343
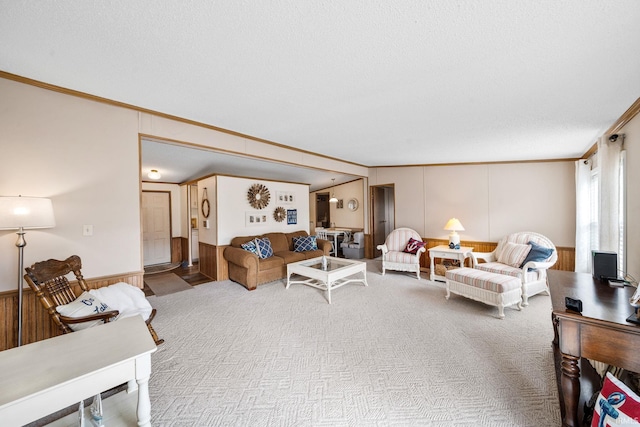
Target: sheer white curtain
609, 212
583, 216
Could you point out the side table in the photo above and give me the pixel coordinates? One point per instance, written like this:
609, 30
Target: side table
444, 252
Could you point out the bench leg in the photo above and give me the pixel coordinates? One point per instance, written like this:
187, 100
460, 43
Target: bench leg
501, 311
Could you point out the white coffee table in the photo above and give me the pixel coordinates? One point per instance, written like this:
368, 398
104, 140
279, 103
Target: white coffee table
335, 275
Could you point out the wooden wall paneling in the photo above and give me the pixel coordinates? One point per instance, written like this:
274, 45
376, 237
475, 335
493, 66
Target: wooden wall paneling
184, 248
207, 259
176, 249
369, 250
222, 266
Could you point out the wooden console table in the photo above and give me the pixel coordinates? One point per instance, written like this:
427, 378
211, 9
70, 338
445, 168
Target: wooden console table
600, 333
40, 378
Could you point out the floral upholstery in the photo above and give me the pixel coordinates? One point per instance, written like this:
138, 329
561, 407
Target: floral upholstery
393, 255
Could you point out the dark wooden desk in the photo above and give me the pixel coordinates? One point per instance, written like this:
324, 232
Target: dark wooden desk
600, 333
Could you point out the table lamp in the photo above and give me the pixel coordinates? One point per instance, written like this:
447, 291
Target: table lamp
20, 213
454, 225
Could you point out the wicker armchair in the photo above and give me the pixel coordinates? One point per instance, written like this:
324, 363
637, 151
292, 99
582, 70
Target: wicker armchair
531, 271
48, 280
394, 256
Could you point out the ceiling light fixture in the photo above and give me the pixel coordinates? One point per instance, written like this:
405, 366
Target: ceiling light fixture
154, 174
333, 198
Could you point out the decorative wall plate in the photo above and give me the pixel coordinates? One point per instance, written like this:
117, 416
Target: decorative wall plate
279, 214
258, 196
206, 207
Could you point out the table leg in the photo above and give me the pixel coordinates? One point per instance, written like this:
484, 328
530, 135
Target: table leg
570, 382
431, 269
144, 403
328, 285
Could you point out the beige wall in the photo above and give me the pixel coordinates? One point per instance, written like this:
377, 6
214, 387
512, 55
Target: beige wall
490, 200
632, 146
84, 156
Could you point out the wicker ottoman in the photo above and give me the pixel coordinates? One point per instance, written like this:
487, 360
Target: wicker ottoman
490, 288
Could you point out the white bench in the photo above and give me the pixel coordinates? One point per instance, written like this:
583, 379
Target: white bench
490, 288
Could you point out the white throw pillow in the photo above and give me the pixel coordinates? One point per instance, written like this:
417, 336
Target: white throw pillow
85, 305
513, 254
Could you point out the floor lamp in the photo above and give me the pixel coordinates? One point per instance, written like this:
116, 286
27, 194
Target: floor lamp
24, 213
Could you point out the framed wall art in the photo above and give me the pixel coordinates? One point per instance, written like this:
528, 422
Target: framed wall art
292, 216
255, 218
285, 197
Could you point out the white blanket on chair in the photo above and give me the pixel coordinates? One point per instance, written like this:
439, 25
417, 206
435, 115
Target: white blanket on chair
125, 298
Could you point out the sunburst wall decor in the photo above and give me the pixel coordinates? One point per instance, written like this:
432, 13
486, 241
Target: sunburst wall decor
258, 196
279, 214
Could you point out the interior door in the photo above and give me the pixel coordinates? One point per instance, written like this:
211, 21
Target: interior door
156, 227
378, 217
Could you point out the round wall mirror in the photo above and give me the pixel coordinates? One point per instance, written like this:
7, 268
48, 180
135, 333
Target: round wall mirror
352, 204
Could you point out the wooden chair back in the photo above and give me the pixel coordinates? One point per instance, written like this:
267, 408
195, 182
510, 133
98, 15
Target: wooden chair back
49, 282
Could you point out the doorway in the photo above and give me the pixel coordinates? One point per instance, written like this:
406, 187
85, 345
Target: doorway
156, 227
382, 214
323, 213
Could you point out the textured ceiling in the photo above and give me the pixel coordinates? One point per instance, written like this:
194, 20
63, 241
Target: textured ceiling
376, 82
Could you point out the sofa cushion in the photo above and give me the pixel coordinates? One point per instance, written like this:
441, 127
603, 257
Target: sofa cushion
278, 241
513, 254
312, 254
304, 243
413, 246
289, 256
263, 245
270, 263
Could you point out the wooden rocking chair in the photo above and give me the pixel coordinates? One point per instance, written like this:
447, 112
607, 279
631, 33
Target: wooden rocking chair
47, 279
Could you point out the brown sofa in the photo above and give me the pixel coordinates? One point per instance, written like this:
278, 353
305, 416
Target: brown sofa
250, 271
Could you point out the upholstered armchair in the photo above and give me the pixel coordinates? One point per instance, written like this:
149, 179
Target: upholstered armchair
525, 255
401, 251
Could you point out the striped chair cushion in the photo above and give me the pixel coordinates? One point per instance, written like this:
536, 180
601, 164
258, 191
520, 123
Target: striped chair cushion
513, 254
401, 257
498, 268
498, 283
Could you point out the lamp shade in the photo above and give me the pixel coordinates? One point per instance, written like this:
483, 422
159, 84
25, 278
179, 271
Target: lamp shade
154, 174
25, 212
453, 225
333, 198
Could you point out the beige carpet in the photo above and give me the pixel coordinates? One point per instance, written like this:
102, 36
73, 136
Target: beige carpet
395, 353
165, 284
